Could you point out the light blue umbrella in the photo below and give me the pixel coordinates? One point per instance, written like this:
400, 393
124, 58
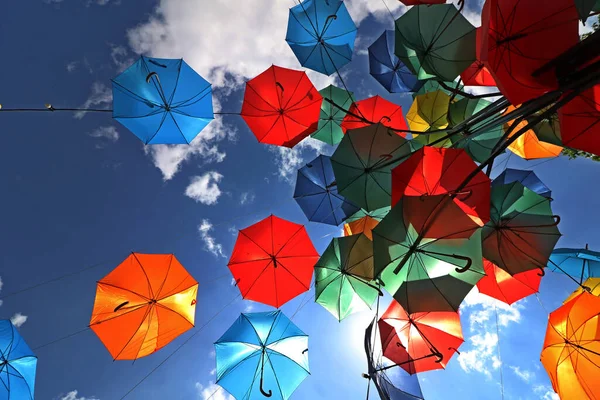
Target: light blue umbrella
17, 364
262, 355
580, 264
527, 178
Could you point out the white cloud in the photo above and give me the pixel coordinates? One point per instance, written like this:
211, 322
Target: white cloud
108, 132
247, 198
205, 188
212, 391
101, 97
524, 374
18, 319
210, 243
72, 66
73, 396
483, 351
121, 57
249, 308
289, 160
213, 371
545, 392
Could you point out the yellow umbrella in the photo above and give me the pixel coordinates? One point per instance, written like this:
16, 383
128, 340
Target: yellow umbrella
429, 112
592, 283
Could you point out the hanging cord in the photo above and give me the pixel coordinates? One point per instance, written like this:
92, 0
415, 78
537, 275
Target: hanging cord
499, 353
51, 108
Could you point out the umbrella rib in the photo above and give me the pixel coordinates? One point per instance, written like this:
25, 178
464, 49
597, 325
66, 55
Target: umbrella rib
294, 276
196, 98
259, 246
134, 95
134, 332
248, 85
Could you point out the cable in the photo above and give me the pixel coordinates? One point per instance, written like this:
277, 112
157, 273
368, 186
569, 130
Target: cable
499, 353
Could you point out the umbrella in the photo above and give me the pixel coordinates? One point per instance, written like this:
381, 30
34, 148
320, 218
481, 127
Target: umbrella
424, 274
429, 112
522, 231
343, 275
528, 145
571, 352
419, 2
432, 85
581, 264
387, 69
17, 364
272, 261
527, 178
477, 73
421, 341
372, 111
162, 101
442, 38
316, 193
364, 221
585, 7
143, 304
321, 34
362, 164
330, 120
580, 121
281, 106
500, 285
591, 284
519, 37
262, 355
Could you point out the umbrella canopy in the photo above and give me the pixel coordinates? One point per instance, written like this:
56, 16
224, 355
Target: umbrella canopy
317, 195
419, 2
585, 7
429, 112
17, 364
143, 304
528, 146
387, 69
375, 110
424, 274
442, 38
342, 276
262, 355
580, 121
281, 106
519, 37
422, 341
162, 101
321, 35
522, 231
507, 288
432, 85
527, 178
477, 73
364, 222
591, 284
571, 352
272, 261
363, 162
330, 120
581, 264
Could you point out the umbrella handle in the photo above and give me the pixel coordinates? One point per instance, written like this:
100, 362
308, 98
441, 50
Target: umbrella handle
587, 289
542, 271
398, 344
237, 281
366, 376
150, 75
557, 219
468, 194
466, 267
440, 357
266, 394
385, 117
304, 351
455, 349
117, 308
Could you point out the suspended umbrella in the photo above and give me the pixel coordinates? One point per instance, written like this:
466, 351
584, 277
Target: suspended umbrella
424, 274
507, 288
387, 69
442, 38
262, 355
519, 37
364, 221
591, 284
422, 341
585, 7
281, 106
321, 34
409, 56
527, 178
162, 101
330, 120
580, 121
272, 261
143, 304
528, 146
419, 2
581, 264
432, 85
522, 231
477, 73
548, 129
372, 111
317, 195
571, 352
362, 164
17, 364
429, 112
343, 276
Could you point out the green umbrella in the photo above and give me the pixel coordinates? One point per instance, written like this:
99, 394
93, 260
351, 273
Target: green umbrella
342, 276
585, 7
363, 163
433, 85
377, 214
329, 130
522, 231
409, 57
442, 38
424, 274
548, 129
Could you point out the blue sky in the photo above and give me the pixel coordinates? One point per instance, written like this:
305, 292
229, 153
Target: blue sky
81, 190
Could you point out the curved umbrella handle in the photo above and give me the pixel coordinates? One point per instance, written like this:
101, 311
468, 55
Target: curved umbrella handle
466, 267
455, 350
586, 288
398, 344
304, 351
117, 308
440, 357
366, 376
542, 271
385, 117
280, 86
150, 75
556, 219
266, 394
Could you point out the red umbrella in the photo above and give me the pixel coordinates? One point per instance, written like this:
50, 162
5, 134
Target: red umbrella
580, 121
281, 106
520, 36
374, 109
421, 341
434, 171
272, 261
477, 74
500, 285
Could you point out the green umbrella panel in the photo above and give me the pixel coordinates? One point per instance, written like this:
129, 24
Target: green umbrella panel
343, 276
330, 119
409, 57
432, 85
548, 129
377, 214
585, 7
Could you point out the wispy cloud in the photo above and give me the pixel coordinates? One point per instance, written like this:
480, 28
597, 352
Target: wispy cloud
289, 160
545, 392
524, 374
247, 198
72, 66
108, 132
18, 319
210, 243
121, 57
212, 391
100, 97
73, 395
205, 188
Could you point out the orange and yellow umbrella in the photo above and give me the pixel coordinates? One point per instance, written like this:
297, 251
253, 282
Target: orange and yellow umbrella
364, 222
593, 284
571, 352
528, 146
143, 304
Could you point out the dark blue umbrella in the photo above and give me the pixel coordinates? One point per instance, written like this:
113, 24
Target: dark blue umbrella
162, 101
316, 193
527, 178
17, 364
321, 34
387, 69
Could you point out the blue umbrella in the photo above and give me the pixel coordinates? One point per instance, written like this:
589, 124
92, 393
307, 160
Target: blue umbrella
162, 101
17, 364
262, 355
580, 264
321, 34
317, 195
387, 69
527, 178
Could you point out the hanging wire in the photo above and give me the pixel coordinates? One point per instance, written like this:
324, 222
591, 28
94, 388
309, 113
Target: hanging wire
499, 353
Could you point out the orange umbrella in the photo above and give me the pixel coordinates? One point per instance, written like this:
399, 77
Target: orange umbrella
571, 352
143, 304
500, 285
363, 225
528, 146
